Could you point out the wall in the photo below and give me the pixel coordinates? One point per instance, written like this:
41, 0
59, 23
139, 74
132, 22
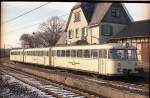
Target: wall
73, 25
115, 27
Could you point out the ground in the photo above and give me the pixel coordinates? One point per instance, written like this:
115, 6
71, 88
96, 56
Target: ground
12, 88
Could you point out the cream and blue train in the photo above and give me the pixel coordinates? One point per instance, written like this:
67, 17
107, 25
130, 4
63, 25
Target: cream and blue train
107, 59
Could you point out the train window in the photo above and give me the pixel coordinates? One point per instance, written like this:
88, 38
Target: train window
94, 53
87, 53
63, 53
58, 52
46, 53
103, 53
79, 53
33, 53
37, 53
41, 53
67, 53
73, 53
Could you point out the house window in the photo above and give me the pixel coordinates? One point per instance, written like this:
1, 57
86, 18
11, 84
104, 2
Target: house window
77, 33
70, 35
115, 12
84, 32
77, 17
106, 30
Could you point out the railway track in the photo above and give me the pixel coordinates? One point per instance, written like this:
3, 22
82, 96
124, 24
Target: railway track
140, 89
54, 89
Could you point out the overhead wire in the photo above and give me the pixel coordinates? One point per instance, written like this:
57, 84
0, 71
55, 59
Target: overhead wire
40, 22
29, 26
25, 13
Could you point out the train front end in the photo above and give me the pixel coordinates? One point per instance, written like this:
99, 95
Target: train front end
124, 60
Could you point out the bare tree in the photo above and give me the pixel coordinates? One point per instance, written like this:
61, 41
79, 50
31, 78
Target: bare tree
27, 40
51, 30
48, 35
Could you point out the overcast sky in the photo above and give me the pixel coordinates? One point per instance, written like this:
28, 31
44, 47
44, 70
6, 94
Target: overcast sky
25, 24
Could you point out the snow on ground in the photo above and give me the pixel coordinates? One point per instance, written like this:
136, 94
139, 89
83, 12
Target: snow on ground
13, 88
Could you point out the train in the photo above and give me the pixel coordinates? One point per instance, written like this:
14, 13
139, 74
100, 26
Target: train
112, 59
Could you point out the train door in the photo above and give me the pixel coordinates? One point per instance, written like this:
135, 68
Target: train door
102, 61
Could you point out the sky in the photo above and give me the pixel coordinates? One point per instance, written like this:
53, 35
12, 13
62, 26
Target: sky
30, 22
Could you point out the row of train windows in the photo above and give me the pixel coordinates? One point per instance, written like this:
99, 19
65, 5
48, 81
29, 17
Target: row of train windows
37, 53
93, 53
16, 53
32, 53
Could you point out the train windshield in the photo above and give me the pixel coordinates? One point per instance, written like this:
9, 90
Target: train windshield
123, 54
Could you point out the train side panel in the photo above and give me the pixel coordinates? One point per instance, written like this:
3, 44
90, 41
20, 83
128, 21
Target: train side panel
16, 55
38, 56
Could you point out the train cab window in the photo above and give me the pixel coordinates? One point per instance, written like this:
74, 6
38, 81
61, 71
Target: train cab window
58, 52
67, 53
103, 53
79, 53
73, 53
94, 53
87, 53
63, 53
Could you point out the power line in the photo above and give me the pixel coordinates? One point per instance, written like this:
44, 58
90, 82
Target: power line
29, 26
25, 13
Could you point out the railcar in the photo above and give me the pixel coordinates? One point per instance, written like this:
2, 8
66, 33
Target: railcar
37, 56
106, 59
16, 55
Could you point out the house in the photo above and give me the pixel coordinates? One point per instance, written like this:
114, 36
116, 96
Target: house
138, 35
62, 39
96, 23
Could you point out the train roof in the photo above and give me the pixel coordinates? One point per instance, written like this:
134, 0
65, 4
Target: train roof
38, 49
16, 50
97, 46
100, 46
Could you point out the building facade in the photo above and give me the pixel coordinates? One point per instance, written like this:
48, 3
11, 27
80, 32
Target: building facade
96, 23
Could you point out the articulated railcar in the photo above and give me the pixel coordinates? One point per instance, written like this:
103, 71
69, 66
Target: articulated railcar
105, 59
16, 55
37, 56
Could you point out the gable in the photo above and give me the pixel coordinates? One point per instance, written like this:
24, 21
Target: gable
99, 12
86, 9
72, 24
121, 17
